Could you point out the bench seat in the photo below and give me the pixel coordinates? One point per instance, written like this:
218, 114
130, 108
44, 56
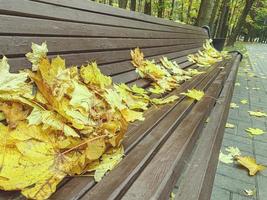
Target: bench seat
157, 150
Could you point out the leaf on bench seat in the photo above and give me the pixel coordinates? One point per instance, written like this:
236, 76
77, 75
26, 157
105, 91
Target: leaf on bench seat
194, 94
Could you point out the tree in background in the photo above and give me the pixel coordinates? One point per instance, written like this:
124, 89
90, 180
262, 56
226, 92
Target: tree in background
241, 22
204, 12
133, 5
123, 3
231, 19
147, 7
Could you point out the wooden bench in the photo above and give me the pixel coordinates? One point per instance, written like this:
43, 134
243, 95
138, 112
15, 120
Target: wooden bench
174, 142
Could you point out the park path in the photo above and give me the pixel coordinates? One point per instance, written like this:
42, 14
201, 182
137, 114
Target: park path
231, 180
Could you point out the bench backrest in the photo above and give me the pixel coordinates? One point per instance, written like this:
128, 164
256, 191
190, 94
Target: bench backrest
82, 31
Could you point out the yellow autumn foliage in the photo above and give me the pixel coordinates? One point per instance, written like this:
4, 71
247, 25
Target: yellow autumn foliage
74, 121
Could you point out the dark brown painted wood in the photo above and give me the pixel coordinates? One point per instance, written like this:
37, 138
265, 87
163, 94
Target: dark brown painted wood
167, 164
108, 10
47, 11
198, 178
45, 28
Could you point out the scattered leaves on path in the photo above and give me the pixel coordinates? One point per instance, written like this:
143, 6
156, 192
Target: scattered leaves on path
254, 131
233, 105
250, 163
257, 114
229, 125
244, 101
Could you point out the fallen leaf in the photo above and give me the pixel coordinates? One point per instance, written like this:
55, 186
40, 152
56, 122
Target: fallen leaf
233, 105
233, 151
255, 131
108, 161
244, 101
257, 113
164, 100
250, 164
237, 84
250, 192
194, 94
228, 125
225, 158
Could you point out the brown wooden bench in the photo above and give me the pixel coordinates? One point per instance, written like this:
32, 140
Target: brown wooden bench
173, 143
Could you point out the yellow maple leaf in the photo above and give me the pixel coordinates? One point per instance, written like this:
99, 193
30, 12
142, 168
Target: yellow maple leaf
255, 131
233, 105
161, 101
92, 75
14, 113
226, 158
108, 161
250, 164
39, 167
156, 89
257, 113
229, 125
37, 54
244, 101
194, 94
131, 115
233, 151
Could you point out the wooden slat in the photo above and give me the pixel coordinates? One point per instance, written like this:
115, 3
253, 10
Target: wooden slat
103, 57
198, 178
118, 180
43, 27
20, 45
47, 11
167, 164
108, 10
125, 66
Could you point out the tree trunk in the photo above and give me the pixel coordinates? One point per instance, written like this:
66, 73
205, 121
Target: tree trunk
224, 17
188, 16
139, 5
123, 3
172, 9
133, 5
160, 8
182, 11
240, 22
147, 7
213, 17
204, 12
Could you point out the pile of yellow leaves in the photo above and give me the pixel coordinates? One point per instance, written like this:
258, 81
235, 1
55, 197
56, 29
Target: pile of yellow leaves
208, 56
57, 121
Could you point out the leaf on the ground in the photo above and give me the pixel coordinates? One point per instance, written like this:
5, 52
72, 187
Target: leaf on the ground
225, 158
257, 113
207, 120
250, 164
255, 88
233, 151
194, 94
250, 192
233, 105
255, 131
107, 162
172, 196
237, 84
244, 101
247, 88
229, 125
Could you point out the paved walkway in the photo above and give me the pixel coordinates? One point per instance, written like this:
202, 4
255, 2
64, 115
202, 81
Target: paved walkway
230, 180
